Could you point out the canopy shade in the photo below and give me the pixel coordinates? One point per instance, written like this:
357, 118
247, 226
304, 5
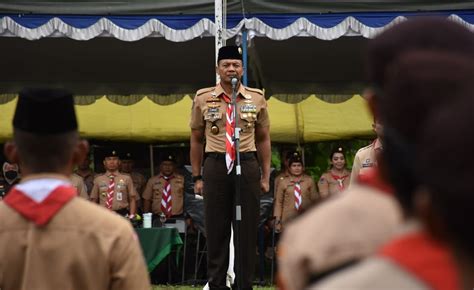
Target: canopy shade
180, 28
308, 121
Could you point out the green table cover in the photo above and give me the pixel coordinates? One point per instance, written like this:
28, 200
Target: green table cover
157, 243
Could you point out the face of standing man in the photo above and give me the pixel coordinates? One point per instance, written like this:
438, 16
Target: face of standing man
227, 68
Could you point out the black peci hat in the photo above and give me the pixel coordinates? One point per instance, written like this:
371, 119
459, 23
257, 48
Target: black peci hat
45, 111
229, 52
296, 157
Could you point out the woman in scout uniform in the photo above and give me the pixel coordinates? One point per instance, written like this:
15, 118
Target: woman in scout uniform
337, 178
113, 189
295, 193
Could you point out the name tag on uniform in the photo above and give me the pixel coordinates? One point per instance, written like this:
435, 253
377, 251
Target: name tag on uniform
119, 196
213, 110
248, 108
212, 116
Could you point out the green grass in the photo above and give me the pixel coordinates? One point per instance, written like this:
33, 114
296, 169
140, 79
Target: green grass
167, 287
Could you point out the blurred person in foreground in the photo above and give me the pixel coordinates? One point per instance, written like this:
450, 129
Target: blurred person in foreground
426, 79
445, 208
49, 237
368, 215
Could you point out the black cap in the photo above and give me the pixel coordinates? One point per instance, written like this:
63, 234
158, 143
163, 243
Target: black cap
45, 111
127, 156
291, 154
296, 157
112, 152
168, 157
229, 52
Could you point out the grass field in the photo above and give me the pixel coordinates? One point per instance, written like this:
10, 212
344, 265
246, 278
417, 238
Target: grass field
166, 287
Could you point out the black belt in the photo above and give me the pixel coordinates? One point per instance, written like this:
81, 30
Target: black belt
221, 156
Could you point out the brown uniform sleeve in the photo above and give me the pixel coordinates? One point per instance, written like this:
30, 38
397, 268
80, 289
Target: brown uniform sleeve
197, 120
279, 201
132, 193
263, 119
323, 185
128, 269
314, 192
148, 192
95, 189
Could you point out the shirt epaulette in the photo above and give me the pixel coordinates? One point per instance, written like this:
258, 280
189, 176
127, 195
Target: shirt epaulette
366, 147
205, 90
258, 91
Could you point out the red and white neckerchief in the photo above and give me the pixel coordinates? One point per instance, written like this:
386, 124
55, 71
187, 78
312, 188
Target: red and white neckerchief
297, 193
425, 258
39, 200
110, 192
166, 199
339, 179
229, 135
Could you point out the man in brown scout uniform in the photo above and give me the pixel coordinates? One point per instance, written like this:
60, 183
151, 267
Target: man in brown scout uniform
127, 166
296, 193
164, 192
78, 183
113, 189
49, 237
365, 157
211, 120
87, 174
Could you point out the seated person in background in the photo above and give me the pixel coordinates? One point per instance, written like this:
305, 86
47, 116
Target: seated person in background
164, 192
79, 185
113, 189
295, 193
9, 178
127, 166
337, 178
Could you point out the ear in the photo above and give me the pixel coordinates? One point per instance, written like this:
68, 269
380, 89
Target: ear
80, 152
11, 152
426, 213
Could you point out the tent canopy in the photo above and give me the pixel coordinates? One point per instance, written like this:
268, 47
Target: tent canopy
307, 121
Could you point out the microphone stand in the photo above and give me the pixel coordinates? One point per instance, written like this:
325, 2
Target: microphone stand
237, 180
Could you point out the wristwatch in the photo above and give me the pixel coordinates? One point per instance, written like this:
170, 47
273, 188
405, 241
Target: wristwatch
197, 177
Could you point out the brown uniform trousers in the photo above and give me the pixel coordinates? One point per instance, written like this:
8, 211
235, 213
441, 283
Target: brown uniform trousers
154, 193
218, 187
284, 208
123, 191
83, 247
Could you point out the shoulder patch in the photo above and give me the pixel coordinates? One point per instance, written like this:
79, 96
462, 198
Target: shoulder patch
253, 90
205, 90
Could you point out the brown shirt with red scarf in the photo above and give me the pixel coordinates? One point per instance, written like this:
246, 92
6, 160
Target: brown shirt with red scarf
330, 183
209, 109
284, 207
154, 193
123, 190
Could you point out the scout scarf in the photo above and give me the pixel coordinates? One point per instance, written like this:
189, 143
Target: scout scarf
425, 258
166, 199
39, 200
340, 180
110, 192
297, 193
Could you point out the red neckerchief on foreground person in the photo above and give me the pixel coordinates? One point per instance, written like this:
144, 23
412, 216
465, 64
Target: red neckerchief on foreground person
372, 178
57, 195
425, 258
